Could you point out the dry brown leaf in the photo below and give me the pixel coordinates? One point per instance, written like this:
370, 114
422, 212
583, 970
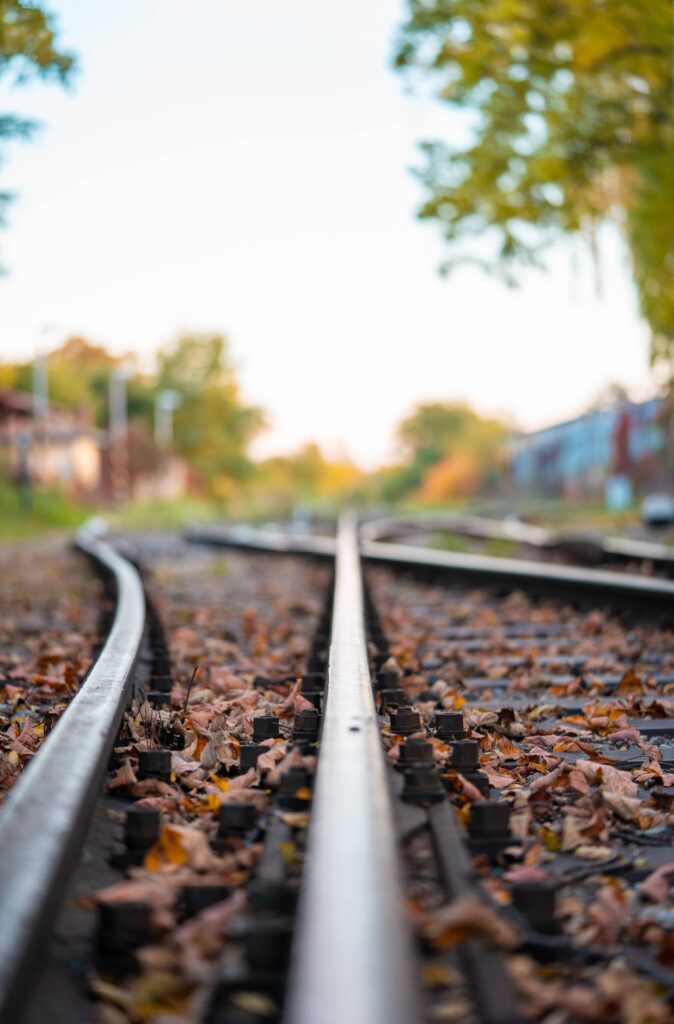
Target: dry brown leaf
124, 776
657, 885
468, 917
177, 845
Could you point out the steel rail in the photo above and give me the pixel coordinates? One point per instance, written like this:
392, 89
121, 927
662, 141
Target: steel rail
595, 545
44, 818
480, 527
524, 573
252, 538
352, 958
480, 568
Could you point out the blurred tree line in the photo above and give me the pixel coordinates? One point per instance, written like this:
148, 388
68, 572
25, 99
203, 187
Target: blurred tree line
445, 451
567, 120
212, 425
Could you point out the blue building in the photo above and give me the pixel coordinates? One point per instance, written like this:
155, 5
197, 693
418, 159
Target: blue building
575, 458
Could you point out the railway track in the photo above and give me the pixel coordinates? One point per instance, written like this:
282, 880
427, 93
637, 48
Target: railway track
435, 788
518, 539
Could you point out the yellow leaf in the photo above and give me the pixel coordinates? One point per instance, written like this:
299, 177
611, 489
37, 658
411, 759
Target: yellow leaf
550, 839
288, 853
202, 804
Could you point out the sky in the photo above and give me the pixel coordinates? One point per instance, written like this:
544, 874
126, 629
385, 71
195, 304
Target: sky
240, 167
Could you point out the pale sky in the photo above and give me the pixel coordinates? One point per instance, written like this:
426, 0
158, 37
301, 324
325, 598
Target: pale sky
244, 167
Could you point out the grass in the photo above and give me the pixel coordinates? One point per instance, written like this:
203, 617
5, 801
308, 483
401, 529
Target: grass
167, 515
43, 512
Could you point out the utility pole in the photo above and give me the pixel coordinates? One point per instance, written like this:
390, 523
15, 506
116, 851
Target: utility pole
40, 412
118, 436
165, 402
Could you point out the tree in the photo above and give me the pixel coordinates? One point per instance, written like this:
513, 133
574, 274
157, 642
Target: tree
212, 425
568, 120
306, 477
468, 445
28, 47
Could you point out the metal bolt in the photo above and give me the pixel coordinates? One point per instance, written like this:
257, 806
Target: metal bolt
537, 902
123, 926
489, 819
198, 897
405, 721
141, 827
295, 778
464, 755
449, 725
416, 751
159, 699
236, 818
267, 943
162, 684
154, 764
392, 698
306, 724
274, 897
387, 680
265, 727
422, 783
248, 755
312, 681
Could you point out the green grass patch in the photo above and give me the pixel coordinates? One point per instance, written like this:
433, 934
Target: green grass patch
38, 513
166, 515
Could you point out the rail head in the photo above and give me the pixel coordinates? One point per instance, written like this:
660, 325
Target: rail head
352, 958
539, 576
46, 814
482, 527
253, 538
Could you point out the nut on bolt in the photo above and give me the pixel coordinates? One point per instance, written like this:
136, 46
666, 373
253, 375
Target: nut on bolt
122, 927
405, 721
449, 725
196, 898
414, 753
141, 828
249, 753
293, 781
392, 698
422, 785
154, 764
265, 727
537, 901
236, 818
489, 826
306, 725
464, 755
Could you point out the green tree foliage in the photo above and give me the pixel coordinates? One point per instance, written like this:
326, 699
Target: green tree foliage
435, 432
306, 476
78, 374
570, 121
212, 426
28, 47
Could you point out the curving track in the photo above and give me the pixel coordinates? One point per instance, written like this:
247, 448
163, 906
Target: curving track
493, 766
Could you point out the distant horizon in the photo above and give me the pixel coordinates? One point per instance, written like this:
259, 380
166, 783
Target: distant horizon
336, 454
245, 184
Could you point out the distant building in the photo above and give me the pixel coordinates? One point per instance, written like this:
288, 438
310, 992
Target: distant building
59, 449
577, 457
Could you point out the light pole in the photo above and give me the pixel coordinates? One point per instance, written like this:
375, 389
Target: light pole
118, 434
166, 402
